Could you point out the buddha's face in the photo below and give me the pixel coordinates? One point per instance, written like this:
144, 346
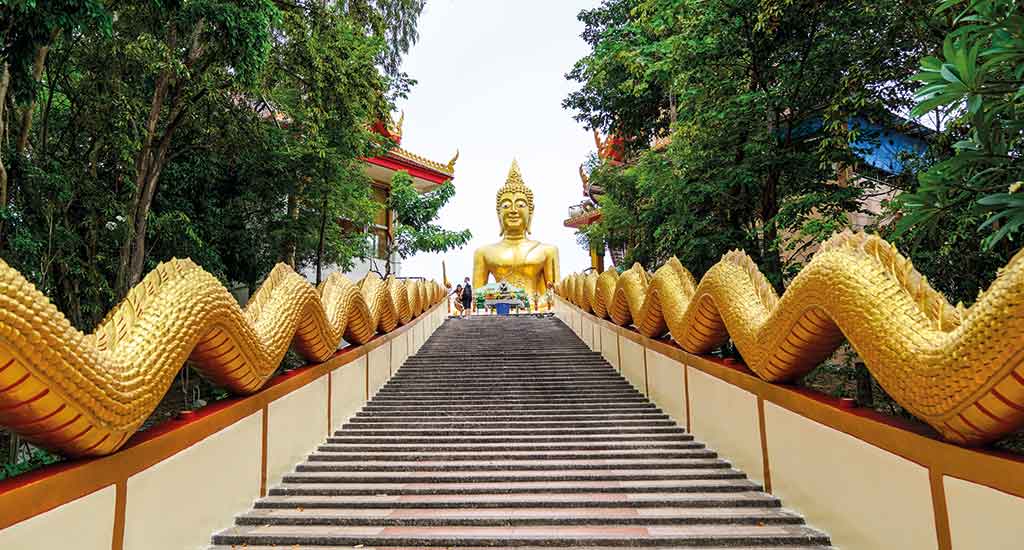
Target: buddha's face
514, 214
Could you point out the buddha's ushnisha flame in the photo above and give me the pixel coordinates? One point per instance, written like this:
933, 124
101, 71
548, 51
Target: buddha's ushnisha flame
514, 184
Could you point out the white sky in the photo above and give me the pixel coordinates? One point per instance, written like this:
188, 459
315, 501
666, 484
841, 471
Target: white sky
491, 84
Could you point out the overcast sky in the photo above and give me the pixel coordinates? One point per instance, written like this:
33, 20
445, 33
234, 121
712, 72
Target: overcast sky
491, 84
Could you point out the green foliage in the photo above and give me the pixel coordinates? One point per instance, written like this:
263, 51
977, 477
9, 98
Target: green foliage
979, 78
247, 119
37, 458
756, 96
414, 229
28, 24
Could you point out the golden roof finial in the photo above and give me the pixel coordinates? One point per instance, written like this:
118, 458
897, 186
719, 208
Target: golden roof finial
396, 127
451, 163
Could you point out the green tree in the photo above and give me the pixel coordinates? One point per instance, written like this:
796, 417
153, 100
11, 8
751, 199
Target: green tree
979, 79
414, 213
758, 97
190, 50
254, 155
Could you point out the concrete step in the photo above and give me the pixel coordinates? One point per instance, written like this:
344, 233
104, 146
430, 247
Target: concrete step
522, 417
544, 441
365, 547
599, 535
397, 432
520, 494
557, 401
466, 452
696, 476
323, 463
518, 418
499, 392
519, 516
626, 408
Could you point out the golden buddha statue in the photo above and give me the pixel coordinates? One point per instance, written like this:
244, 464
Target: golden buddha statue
516, 259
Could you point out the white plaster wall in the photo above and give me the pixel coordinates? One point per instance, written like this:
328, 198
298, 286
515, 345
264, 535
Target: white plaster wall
861, 495
348, 391
178, 503
296, 424
86, 523
982, 517
598, 331
666, 386
410, 340
380, 368
726, 418
399, 353
633, 368
586, 331
610, 346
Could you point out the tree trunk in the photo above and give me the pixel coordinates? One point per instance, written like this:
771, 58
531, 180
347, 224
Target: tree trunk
37, 73
320, 245
4, 85
150, 161
770, 257
5, 82
293, 215
137, 211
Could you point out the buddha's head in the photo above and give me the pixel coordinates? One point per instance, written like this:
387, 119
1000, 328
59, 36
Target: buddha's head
514, 202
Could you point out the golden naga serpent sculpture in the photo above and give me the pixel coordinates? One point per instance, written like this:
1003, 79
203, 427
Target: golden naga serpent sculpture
86, 394
960, 370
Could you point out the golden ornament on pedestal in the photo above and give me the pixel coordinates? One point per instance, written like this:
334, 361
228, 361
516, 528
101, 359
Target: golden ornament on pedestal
516, 259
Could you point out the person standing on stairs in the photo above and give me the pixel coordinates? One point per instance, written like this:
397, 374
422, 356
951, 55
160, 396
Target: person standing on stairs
467, 297
457, 293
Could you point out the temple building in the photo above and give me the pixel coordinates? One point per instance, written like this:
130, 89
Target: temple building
426, 175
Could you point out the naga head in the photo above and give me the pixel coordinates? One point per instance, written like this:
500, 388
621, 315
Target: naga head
514, 203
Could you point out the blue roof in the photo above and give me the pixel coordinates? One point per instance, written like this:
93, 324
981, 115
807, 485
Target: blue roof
882, 147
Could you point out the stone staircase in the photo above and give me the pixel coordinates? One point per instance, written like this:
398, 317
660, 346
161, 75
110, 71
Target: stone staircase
510, 432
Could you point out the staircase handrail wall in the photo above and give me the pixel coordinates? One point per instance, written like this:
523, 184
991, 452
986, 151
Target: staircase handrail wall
116, 501
869, 480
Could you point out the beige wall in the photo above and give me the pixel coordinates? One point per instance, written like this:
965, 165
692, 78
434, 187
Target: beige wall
86, 523
587, 332
610, 346
863, 496
399, 353
726, 418
296, 424
665, 385
348, 391
180, 501
982, 517
633, 364
380, 368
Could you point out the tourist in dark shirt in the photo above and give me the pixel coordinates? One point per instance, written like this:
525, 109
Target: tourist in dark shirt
467, 297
